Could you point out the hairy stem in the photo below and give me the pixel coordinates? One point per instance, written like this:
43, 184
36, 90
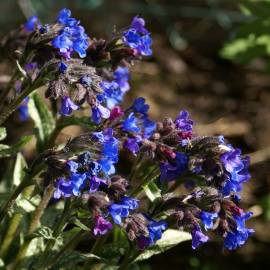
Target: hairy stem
14, 224
33, 226
97, 245
68, 246
15, 103
58, 228
11, 200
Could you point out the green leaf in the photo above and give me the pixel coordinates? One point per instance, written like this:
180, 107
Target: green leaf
170, 238
7, 151
152, 191
18, 173
3, 133
42, 117
77, 121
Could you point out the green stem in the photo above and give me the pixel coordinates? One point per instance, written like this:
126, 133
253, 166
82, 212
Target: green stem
33, 226
5, 92
59, 226
14, 104
97, 245
58, 127
14, 224
68, 246
147, 178
11, 200
128, 260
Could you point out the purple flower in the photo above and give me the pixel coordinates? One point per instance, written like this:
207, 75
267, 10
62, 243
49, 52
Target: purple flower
67, 106
63, 188
183, 122
198, 238
95, 182
116, 112
139, 25
32, 23
172, 170
132, 145
207, 219
232, 161
99, 112
102, 226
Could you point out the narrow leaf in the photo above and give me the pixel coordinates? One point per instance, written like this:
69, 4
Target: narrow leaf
18, 173
3, 133
170, 238
152, 191
7, 151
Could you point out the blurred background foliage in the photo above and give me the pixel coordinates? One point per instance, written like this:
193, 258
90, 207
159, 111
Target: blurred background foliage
211, 57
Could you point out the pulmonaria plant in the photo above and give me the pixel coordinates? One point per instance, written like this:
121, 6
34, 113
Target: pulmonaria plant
134, 209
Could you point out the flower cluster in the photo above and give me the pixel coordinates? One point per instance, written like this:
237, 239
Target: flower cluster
86, 169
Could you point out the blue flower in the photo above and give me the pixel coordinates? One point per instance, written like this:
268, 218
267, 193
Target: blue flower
107, 166
198, 238
138, 38
130, 124
112, 93
63, 67
238, 237
140, 106
237, 171
86, 80
141, 44
63, 188
67, 106
94, 168
121, 76
23, 110
73, 166
156, 229
32, 23
69, 187
207, 219
72, 37
85, 158
64, 18
172, 170
148, 127
99, 112
121, 209
78, 183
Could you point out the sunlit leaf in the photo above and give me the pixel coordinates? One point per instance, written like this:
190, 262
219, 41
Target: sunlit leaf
170, 238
